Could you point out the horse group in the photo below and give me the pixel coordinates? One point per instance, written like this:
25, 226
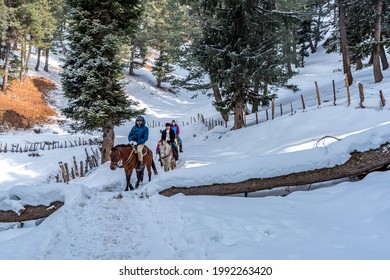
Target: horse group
125, 156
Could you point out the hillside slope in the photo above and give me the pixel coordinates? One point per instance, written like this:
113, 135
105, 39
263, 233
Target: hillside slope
336, 220
27, 103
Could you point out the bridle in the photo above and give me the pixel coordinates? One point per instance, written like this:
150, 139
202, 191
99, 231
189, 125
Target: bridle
170, 151
119, 162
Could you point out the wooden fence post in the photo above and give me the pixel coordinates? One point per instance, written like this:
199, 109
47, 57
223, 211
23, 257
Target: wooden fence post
361, 95
383, 100
273, 108
257, 118
63, 171
67, 172
75, 167
81, 169
72, 173
291, 108
348, 92
303, 103
334, 93
281, 109
318, 95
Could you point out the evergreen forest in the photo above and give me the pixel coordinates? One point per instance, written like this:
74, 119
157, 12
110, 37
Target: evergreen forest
238, 51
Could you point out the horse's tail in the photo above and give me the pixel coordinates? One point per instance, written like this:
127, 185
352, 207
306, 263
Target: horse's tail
154, 167
153, 164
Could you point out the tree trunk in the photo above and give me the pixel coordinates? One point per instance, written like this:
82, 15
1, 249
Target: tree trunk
344, 42
359, 64
317, 36
265, 93
218, 98
385, 62
29, 213
359, 164
108, 141
238, 110
131, 62
27, 64
288, 48
376, 48
6, 67
46, 67
22, 59
296, 60
38, 59
255, 100
311, 45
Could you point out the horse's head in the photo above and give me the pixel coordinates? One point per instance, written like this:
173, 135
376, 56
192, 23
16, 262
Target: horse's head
115, 157
165, 149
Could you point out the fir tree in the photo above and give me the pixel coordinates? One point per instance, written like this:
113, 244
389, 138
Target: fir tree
93, 73
240, 50
367, 33
166, 28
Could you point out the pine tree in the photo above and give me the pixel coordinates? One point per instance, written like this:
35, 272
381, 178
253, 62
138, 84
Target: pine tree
166, 30
36, 26
136, 50
364, 28
93, 73
344, 43
9, 37
240, 50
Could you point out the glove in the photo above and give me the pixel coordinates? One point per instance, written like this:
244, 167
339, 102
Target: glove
133, 143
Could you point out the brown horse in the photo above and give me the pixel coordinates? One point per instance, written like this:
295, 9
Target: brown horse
126, 156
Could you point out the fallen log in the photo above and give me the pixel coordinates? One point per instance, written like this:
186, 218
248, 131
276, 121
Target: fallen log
359, 164
29, 213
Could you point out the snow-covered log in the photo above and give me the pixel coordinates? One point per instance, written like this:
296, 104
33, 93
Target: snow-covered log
359, 164
29, 213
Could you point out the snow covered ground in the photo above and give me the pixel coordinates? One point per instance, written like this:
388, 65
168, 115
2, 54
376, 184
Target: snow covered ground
343, 220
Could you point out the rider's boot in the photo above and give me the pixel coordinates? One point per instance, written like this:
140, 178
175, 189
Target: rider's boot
176, 154
139, 165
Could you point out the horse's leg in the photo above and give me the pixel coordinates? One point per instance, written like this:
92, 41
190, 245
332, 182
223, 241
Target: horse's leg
173, 164
128, 184
149, 167
128, 177
140, 176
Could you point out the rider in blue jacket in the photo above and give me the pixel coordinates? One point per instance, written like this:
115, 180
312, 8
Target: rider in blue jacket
138, 136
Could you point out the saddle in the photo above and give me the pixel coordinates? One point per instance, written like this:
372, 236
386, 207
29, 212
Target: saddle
144, 150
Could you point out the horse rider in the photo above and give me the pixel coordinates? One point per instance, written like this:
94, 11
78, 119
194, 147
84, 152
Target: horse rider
138, 136
169, 135
175, 127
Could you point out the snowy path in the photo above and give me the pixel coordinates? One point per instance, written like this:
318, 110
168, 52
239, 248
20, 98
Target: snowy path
116, 228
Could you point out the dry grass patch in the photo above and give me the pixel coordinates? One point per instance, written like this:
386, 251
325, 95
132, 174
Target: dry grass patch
28, 99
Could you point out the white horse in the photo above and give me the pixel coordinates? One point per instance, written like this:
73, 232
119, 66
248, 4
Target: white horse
167, 158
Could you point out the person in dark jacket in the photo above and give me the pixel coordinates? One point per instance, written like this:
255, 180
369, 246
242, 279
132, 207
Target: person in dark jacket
138, 136
169, 135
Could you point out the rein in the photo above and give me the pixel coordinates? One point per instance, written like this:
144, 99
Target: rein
120, 163
170, 152
129, 158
